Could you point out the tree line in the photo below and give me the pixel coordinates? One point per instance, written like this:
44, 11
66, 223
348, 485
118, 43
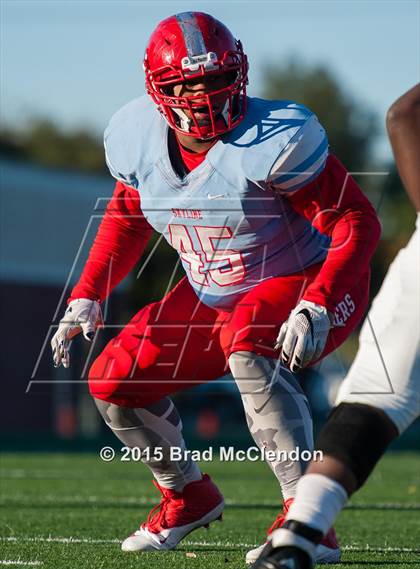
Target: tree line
351, 126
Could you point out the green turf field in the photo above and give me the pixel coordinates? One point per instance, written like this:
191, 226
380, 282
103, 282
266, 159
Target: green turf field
71, 511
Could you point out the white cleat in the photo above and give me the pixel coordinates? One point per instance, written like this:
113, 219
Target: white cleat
177, 515
166, 539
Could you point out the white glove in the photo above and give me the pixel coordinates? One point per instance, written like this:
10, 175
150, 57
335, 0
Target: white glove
82, 315
304, 334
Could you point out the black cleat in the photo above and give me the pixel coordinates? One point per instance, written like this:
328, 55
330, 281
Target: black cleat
285, 557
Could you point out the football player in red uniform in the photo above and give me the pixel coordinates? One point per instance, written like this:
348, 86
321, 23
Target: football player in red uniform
275, 238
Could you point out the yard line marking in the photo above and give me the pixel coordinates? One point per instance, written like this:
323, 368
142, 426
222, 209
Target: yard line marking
145, 501
18, 562
368, 548
92, 541
51, 539
354, 548
382, 506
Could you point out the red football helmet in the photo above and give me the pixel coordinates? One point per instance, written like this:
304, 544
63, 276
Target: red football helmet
187, 47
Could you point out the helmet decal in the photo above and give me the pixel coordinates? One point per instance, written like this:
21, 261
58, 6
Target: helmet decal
194, 41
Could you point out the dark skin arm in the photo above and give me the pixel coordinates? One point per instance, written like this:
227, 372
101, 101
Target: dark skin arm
403, 125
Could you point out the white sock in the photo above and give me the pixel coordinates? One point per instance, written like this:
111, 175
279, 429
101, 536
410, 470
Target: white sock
318, 502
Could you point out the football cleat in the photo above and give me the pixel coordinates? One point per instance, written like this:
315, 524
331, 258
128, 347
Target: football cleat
282, 558
328, 551
177, 515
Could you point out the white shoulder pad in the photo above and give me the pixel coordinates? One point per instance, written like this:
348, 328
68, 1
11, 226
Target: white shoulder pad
127, 141
276, 139
302, 160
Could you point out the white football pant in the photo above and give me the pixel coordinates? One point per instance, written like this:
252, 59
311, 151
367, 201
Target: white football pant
382, 373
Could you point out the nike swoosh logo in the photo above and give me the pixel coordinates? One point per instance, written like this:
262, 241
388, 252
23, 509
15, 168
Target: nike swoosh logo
259, 409
215, 197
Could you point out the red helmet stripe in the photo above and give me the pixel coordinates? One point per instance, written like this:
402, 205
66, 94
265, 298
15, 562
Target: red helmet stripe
194, 41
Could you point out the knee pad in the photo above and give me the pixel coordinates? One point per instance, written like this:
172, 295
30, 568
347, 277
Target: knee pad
118, 417
108, 371
157, 424
256, 374
252, 373
357, 435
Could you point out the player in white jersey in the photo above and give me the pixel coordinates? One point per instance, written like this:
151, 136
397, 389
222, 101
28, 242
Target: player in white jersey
380, 397
275, 238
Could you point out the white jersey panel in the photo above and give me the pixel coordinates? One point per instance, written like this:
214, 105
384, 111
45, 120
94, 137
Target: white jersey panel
302, 160
230, 228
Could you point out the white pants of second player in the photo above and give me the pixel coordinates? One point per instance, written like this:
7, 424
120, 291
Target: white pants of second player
382, 374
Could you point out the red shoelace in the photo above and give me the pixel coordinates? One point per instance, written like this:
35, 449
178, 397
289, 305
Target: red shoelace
159, 516
279, 521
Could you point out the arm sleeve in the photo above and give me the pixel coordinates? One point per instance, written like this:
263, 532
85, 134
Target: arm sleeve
336, 206
120, 241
